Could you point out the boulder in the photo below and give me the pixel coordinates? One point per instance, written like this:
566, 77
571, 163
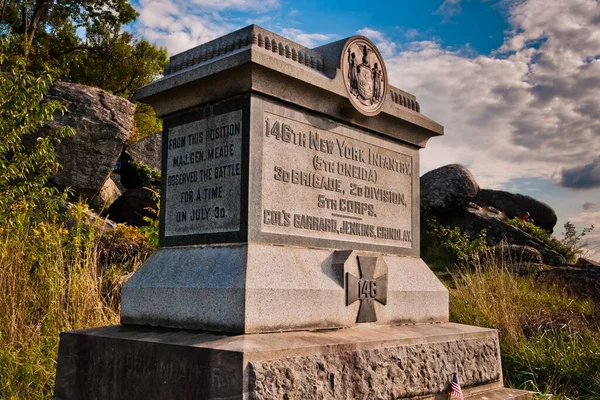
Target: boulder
586, 262
514, 205
514, 253
105, 197
581, 281
447, 188
475, 219
133, 205
102, 124
88, 217
147, 150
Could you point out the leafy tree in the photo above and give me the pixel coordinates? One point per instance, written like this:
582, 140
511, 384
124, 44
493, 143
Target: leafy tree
84, 42
24, 168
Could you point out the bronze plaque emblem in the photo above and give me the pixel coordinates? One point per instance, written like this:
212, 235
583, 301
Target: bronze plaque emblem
367, 289
365, 75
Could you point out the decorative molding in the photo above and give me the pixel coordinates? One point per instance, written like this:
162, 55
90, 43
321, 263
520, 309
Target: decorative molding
404, 101
247, 37
256, 36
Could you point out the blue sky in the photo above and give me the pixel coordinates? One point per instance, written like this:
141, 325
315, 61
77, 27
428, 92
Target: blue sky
514, 82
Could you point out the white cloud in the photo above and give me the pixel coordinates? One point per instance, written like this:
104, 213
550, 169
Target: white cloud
592, 239
527, 110
309, 40
411, 34
386, 47
448, 9
238, 5
179, 25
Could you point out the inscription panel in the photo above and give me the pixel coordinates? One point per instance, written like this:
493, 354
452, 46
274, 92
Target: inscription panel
325, 185
114, 368
203, 173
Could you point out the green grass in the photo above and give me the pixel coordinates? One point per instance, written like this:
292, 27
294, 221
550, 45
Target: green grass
56, 275
550, 340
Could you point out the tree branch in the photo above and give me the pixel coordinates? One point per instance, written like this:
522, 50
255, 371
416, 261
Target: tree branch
3, 9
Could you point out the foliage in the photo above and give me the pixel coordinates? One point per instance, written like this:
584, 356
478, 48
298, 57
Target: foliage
149, 177
55, 277
445, 247
25, 161
574, 240
152, 230
120, 252
146, 122
570, 246
550, 341
83, 41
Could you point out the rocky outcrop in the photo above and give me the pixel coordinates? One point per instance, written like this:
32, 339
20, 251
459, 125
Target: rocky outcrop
453, 196
514, 205
514, 253
474, 219
448, 188
584, 262
102, 123
147, 150
105, 197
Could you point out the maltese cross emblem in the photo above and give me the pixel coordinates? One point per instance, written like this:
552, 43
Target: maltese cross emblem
367, 289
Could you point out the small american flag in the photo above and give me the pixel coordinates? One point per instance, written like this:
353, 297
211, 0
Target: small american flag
456, 392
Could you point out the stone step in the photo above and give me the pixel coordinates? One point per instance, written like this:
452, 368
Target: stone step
501, 394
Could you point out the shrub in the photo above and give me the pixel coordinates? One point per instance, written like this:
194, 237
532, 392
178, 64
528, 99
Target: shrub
445, 247
56, 276
25, 168
570, 246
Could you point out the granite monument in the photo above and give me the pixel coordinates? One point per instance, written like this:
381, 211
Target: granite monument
288, 264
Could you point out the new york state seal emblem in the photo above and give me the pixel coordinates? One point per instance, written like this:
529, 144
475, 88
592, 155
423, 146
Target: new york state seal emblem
365, 75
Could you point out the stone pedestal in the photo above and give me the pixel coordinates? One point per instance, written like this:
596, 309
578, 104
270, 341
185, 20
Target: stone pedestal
252, 288
290, 230
367, 362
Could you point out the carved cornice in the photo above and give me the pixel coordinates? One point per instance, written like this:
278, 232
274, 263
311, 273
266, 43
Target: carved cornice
254, 36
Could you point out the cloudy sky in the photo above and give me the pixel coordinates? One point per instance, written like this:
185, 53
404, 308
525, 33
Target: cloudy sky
516, 83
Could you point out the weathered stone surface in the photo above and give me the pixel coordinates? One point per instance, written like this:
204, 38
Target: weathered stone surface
517, 253
106, 196
475, 219
501, 394
447, 188
359, 363
254, 288
388, 373
133, 206
587, 262
147, 150
514, 205
102, 124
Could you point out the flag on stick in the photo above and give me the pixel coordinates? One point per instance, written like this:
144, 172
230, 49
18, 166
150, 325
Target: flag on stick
456, 392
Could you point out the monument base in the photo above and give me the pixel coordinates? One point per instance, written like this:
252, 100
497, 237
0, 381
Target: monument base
367, 362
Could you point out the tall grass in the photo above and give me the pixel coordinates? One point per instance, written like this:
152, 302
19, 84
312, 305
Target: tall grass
53, 277
550, 340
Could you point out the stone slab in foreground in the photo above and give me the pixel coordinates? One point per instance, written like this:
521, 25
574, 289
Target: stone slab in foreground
119, 362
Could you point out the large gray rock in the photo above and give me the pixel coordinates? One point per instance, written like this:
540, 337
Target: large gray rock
517, 253
447, 188
147, 150
133, 205
106, 196
102, 124
514, 205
